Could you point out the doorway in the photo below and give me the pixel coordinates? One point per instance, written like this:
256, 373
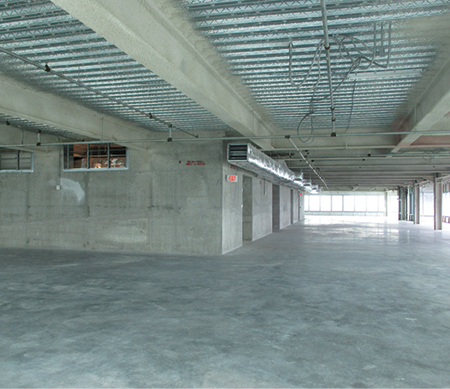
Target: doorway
275, 208
247, 209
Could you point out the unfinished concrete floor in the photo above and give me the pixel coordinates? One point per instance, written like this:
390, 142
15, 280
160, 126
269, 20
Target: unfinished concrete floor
325, 303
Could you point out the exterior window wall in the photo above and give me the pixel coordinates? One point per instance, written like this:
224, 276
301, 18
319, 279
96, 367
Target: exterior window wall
355, 204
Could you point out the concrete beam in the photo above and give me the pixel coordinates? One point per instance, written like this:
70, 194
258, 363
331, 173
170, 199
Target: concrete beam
10, 135
339, 143
159, 36
22, 101
430, 111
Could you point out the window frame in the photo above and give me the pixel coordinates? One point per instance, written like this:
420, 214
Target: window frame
88, 153
18, 170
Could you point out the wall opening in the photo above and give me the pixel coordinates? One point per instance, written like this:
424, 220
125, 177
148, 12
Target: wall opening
247, 209
292, 206
275, 207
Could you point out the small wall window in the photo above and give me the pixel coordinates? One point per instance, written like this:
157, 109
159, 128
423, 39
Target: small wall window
95, 156
16, 161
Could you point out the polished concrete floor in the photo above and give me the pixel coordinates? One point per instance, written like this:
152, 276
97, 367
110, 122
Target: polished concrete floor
324, 303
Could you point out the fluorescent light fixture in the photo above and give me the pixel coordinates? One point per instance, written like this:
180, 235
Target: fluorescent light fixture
384, 74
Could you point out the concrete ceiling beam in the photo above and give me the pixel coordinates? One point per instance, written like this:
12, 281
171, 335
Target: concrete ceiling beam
24, 102
341, 143
432, 111
10, 135
159, 36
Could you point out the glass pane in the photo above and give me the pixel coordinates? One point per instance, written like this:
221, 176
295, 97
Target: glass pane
75, 157
118, 156
360, 203
336, 203
98, 156
314, 203
381, 204
372, 203
427, 204
325, 203
349, 203
446, 204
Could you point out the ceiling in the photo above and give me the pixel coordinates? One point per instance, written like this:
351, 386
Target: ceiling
256, 69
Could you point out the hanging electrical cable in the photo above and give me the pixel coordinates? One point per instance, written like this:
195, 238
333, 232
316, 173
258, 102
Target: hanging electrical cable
351, 108
360, 55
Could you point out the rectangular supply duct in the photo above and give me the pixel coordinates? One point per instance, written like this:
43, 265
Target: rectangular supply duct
248, 157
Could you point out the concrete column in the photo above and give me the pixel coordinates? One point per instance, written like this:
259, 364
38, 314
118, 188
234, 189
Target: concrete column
410, 203
437, 202
416, 203
402, 204
386, 204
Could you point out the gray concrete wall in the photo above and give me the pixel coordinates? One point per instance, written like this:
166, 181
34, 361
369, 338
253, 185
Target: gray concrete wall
231, 209
285, 206
262, 208
161, 203
295, 205
302, 207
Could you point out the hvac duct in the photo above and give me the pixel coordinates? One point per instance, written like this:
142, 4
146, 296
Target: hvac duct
249, 158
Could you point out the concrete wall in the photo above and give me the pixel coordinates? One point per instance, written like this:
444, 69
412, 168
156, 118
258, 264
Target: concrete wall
173, 198
262, 208
231, 209
162, 203
302, 207
295, 206
285, 206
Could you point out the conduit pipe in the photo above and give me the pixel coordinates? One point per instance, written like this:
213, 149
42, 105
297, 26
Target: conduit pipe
240, 138
309, 164
328, 57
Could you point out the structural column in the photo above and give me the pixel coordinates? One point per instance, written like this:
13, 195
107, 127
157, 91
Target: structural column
402, 204
437, 202
410, 204
416, 203
386, 204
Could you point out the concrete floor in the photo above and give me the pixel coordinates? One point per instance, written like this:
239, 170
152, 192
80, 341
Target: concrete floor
325, 303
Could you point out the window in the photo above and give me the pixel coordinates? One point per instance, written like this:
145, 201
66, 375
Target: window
95, 156
16, 161
349, 203
314, 203
325, 203
360, 203
336, 203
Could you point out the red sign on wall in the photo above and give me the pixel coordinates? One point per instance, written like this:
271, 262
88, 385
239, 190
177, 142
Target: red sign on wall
195, 163
232, 178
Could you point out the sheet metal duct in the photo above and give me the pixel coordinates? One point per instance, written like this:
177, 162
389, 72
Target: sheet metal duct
247, 157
